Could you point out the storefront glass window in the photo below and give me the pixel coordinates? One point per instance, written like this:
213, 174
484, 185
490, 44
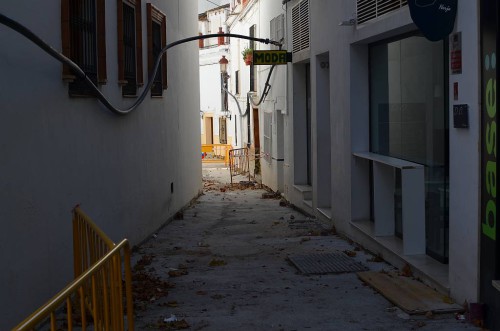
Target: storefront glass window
408, 120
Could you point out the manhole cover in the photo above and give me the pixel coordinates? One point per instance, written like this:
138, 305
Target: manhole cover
326, 263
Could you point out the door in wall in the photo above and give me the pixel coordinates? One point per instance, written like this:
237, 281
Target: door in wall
209, 130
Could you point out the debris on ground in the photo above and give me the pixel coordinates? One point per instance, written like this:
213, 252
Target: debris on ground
376, 258
145, 286
177, 273
406, 271
271, 195
171, 319
217, 263
284, 203
350, 253
173, 323
144, 261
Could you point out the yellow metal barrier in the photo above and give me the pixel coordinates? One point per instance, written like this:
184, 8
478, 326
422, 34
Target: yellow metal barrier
98, 288
90, 243
212, 153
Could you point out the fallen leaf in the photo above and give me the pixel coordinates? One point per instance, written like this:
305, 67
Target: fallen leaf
217, 263
177, 273
406, 271
172, 304
376, 258
350, 253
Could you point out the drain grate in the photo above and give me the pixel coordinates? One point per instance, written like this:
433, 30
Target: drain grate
326, 263
304, 225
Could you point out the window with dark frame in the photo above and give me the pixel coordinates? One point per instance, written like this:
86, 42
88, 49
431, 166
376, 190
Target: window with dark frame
277, 28
157, 39
237, 81
83, 41
253, 69
130, 74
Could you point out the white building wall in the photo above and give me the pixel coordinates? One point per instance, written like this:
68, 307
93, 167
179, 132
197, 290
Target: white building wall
465, 162
260, 14
129, 173
240, 24
210, 75
274, 103
347, 47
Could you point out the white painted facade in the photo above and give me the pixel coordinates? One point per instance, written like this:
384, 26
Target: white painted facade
338, 187
269, 114
211, 108
130, 174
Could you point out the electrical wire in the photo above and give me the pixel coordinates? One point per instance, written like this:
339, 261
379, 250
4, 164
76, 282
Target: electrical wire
267, 86
16, 26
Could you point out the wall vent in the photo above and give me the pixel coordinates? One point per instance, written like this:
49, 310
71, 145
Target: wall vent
300, 26
367, 10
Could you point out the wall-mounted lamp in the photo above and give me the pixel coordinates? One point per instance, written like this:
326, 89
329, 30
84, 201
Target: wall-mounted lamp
349, 22
223, 64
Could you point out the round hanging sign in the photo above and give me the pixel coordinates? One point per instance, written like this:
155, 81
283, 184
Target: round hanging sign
435, 18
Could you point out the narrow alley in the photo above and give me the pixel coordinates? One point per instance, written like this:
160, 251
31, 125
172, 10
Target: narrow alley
224, 264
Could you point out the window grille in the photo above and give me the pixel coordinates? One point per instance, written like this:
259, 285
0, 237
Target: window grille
129, 47
157, 25
268, 119
370, 9
83, 43
157, 89
300, 26
277, 29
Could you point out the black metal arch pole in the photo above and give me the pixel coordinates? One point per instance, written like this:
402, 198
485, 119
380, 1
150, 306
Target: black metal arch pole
81, 74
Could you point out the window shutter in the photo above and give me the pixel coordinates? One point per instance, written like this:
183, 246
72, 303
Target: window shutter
300, 26
138, 28
273, 31
154, 16
101, 42
164, 56
66, 38
121, 52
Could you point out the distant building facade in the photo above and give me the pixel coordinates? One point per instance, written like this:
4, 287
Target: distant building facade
217, 120
261, 123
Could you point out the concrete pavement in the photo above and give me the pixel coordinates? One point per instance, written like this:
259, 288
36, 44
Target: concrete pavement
224, 263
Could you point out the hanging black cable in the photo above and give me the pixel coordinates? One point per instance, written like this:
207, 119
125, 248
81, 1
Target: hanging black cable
81, 74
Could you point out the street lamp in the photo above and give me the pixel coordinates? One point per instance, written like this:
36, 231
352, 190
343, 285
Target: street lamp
223, 62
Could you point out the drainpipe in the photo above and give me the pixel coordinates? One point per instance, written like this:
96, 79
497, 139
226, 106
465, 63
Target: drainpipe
248, 121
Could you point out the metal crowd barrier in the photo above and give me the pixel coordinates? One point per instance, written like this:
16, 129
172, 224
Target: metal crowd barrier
95, 299
239, 162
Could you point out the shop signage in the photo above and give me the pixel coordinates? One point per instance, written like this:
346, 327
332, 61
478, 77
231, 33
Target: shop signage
490, 248
435, 18
456, 53
460, 116
271, 57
